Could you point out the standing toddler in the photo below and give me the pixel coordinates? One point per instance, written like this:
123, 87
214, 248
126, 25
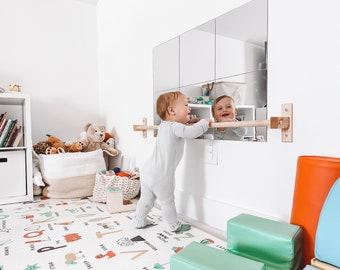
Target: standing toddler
158, 174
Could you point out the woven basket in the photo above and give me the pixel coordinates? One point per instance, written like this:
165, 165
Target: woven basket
130, 186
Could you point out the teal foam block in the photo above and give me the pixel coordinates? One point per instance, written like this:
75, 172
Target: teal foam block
278, 245
200, 256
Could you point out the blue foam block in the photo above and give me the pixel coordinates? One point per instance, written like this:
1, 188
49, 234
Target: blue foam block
327, 248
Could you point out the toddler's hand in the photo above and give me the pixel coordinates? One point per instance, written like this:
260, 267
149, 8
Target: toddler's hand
209, 120
194, 120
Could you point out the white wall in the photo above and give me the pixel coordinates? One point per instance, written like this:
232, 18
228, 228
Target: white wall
50, 48
250, 177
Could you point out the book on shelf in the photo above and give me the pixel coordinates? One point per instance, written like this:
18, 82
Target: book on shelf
5, 131
3, 121
10, 133
2, 117
18, 138
13, 137
2, 126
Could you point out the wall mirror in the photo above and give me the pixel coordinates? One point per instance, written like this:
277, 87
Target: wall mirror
226, 55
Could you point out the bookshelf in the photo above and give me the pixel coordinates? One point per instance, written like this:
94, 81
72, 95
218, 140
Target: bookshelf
16, 160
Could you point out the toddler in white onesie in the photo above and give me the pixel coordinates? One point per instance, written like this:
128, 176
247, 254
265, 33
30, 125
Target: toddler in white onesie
158, 174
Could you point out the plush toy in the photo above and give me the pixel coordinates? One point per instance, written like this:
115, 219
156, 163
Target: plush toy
75, 147
57, 146
53, 145
37, 178
40, 147
108, 145
95, 137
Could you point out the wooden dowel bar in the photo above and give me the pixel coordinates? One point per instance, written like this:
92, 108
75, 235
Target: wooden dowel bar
284, 122
274, 122
255, 123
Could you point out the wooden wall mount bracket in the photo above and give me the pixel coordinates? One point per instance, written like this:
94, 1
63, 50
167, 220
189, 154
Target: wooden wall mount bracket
287, 132
144, 127
284, 122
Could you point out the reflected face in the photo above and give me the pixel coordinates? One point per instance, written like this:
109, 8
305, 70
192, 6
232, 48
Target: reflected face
224, 110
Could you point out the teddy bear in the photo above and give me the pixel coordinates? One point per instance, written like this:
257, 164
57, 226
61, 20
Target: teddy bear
92, 137
95, 137
77, 146
57, 146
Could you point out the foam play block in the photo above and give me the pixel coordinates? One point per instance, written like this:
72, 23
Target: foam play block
196, 256
278, 245
327, 239
315, 176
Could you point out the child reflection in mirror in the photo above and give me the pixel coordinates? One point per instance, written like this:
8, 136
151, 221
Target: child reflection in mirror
157, 176
224, 110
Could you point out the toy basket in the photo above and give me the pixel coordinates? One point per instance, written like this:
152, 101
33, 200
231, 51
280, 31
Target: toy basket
70, 175
130, 186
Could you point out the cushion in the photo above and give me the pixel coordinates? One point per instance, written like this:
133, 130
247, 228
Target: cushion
327, 239
71, 175
200, 256
278, 245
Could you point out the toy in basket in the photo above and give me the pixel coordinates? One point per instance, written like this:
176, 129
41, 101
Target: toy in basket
130, 185
115, 202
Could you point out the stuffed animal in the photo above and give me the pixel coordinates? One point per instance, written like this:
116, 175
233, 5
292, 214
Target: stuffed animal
53, 145
95, 137
75, 147
57, 146
40, 147
37, 178
108, 145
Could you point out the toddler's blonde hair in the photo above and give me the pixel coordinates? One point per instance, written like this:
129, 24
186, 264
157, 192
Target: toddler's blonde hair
164, 101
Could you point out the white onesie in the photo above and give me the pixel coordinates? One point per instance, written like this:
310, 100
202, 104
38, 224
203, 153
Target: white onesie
158, 174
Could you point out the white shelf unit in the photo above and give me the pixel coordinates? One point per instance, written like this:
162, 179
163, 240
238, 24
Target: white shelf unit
16, 162
201, 110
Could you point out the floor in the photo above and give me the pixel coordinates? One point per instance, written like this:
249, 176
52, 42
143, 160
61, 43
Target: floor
81, 234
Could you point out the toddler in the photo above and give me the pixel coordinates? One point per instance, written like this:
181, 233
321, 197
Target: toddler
158, 174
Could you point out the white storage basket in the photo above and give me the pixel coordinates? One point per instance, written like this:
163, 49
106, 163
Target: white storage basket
70, 175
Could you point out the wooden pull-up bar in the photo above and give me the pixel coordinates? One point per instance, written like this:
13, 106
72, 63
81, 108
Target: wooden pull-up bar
284, 122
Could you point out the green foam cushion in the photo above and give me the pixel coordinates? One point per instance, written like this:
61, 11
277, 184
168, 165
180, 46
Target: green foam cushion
278, 245
199, 256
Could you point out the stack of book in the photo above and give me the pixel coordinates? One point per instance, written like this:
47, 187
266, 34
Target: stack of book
10, 131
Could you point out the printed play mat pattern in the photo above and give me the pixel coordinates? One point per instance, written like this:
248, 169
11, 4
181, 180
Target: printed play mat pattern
80, 234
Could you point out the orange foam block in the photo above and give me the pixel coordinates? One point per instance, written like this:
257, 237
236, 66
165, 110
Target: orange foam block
315, 175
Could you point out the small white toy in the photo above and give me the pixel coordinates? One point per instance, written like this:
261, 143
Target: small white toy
115, 202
